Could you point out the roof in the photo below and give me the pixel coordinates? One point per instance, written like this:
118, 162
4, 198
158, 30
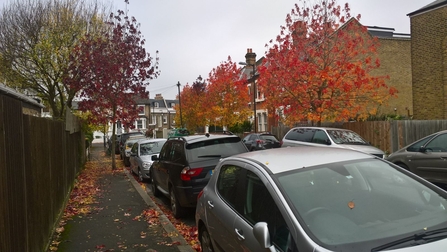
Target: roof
434, 5
198, 138
11, 92
289, 158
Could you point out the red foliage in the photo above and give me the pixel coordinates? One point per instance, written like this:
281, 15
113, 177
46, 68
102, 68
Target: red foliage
320, 67
111, 70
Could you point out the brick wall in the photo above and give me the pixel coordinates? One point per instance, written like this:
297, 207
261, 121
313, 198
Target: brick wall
395, 61
429, 32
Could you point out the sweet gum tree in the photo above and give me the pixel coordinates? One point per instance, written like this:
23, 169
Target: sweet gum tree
111, 70
227, 96
319, 67
192, 99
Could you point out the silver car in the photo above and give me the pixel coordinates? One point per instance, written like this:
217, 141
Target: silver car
426, 157
329, 137
319, 200
141, 154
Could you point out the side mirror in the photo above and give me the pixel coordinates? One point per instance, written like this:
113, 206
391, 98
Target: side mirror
328, 142
155, 158
262, 235
422, 149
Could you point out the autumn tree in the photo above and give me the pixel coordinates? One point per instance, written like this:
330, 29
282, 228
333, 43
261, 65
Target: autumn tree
111, 71
319, 67
36, 38
227, 97
192, 99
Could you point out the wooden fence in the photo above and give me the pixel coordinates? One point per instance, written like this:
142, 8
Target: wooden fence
39, 160
388, 136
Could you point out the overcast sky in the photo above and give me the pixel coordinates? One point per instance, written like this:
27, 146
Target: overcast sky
195, 36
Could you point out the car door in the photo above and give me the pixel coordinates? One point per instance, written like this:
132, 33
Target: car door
133, 158
259, 206
431, 164
222, 203
159, 167
299, 137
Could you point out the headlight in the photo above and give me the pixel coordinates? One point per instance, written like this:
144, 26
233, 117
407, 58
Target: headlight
147, 165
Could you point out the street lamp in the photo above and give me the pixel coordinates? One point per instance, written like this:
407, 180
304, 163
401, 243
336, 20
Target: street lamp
254, 93
180, 105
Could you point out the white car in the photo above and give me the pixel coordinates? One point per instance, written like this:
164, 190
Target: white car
329, 137
141, 156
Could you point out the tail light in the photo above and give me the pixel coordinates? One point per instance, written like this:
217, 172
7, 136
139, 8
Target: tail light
187, 173
280, 143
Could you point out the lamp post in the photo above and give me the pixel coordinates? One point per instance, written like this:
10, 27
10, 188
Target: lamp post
254, 94
180, 105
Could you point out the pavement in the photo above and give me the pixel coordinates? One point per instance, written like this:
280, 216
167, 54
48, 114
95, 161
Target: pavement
118, 222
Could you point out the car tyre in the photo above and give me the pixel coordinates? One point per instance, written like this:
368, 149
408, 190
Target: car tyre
154, 189
177, 210
205, 241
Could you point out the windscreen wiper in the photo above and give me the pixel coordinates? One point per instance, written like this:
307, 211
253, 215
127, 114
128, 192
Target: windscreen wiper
209, 156
414, 240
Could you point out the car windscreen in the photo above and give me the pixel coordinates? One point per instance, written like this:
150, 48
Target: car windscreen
345, 137
347, 205
151, 148
215, 148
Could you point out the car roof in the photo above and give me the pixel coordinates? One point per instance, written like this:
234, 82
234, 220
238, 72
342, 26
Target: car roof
152, 140
290, 158
198, 138
315, 127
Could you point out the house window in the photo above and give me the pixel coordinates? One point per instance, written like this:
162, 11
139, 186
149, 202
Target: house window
160, 122
156, 105
172, 105
141, 110
154, 120
165, 119
140, 124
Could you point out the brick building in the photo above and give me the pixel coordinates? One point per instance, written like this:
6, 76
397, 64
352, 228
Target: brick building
394, 53
429, 61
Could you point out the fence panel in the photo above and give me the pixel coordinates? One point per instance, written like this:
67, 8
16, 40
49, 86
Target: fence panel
39, 160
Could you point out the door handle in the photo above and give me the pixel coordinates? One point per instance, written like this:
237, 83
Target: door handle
210, 204
240, 234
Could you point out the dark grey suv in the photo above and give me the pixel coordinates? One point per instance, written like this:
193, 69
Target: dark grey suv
185, 165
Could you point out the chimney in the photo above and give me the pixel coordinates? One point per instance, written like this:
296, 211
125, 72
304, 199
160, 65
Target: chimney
158, 97
250, 57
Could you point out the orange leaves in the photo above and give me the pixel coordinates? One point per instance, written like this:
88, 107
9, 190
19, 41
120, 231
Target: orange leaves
320, 72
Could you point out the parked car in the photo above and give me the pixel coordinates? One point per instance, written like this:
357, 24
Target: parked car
185, 165
319, 199
123, 139
427, 157
128, 146
329, 137
117, 144
261, 141
141, 156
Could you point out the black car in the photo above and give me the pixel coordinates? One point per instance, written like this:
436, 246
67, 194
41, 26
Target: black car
185, 165
122, 141
261, 141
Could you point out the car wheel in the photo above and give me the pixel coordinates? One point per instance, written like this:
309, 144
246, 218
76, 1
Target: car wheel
154, 189
205, 241
177, 210
140, 175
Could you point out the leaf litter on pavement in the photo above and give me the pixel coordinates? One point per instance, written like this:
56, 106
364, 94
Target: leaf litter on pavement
85, 193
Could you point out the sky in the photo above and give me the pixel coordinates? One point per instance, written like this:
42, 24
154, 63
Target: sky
195, 36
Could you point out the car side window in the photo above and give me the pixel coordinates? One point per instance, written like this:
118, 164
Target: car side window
259, 206
417, 146
300, 134
227, 183
134, 149
320, 137
177, 153
165, 153
253, 137
438, 144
